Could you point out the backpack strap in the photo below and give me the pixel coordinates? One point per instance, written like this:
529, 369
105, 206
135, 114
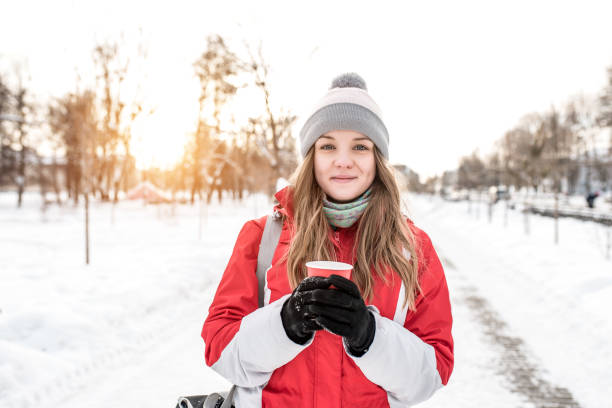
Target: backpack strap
269, 241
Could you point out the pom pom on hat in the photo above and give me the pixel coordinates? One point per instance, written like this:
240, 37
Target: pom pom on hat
349, 80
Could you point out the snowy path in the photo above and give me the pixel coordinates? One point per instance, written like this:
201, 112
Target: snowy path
512, 361
476, 380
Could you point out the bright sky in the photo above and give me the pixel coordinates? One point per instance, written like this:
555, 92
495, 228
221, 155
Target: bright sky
450, 76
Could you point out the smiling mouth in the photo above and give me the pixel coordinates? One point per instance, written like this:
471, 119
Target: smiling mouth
343, 179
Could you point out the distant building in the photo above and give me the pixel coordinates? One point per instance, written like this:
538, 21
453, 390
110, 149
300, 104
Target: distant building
148, 192
593, 176
594, 170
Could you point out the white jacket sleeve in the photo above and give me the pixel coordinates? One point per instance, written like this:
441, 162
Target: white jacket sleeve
258, 348
399, 362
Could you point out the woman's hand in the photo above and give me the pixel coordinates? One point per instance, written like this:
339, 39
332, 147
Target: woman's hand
342, 311
298, 321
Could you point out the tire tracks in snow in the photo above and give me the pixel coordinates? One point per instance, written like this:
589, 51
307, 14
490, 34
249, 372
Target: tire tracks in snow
514, 362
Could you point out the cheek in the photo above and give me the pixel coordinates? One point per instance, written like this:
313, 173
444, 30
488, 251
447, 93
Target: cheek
369, 166
372, 174
319, 168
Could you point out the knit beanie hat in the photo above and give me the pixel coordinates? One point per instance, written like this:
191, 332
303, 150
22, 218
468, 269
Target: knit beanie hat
346, 106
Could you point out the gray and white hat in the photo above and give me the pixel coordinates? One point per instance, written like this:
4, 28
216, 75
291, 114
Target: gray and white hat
346, 106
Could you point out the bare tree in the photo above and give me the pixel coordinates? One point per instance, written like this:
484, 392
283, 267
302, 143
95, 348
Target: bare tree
24, 110
493, 170
522, 150
605, 120
581, 120
272, 131
559, 147
585, 120
471, 172
217, 70
56, 143
73, 117
605, 104
111, 74
113, 162
431, 183
5, 141
558, 151
22, 165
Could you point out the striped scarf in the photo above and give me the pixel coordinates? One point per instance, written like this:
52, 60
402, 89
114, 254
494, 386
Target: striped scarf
344, 215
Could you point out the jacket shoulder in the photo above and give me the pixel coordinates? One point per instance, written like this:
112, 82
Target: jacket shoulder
259, 223
422, 239
252, 230
430, 267
250, 235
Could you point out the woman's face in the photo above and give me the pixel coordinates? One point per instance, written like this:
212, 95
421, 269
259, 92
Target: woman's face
344, 164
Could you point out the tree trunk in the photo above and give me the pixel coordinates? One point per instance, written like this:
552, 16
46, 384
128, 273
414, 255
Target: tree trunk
21, 167
56, 188
78, 175
42, 181
86, 228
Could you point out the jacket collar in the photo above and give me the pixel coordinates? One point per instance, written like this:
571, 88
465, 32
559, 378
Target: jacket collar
285, 202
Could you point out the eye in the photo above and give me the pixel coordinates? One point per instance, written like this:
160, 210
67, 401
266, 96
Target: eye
327, 147
361, 147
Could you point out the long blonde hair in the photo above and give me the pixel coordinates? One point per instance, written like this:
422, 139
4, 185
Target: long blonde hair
384, 238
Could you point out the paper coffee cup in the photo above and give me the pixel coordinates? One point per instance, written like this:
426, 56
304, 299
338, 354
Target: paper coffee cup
326, 268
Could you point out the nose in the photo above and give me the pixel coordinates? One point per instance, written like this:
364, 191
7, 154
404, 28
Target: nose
343, 159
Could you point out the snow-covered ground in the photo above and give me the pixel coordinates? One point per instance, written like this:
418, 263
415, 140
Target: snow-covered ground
557, 298
125, 329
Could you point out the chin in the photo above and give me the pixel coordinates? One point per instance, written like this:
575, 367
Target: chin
344, 197
339, 200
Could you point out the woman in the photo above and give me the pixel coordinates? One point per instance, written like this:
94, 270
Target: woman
382, 338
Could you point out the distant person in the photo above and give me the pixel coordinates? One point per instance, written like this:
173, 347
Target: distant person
590, 199
382, 338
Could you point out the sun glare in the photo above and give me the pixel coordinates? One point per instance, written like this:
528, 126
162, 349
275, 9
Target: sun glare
157, 142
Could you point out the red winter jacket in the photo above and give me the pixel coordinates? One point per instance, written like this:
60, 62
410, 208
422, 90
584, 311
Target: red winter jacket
410, 358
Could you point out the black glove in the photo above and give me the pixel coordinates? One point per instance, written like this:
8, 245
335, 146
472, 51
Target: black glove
342, 311
298, 321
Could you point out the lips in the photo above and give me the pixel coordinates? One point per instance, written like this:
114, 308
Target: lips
343, 179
